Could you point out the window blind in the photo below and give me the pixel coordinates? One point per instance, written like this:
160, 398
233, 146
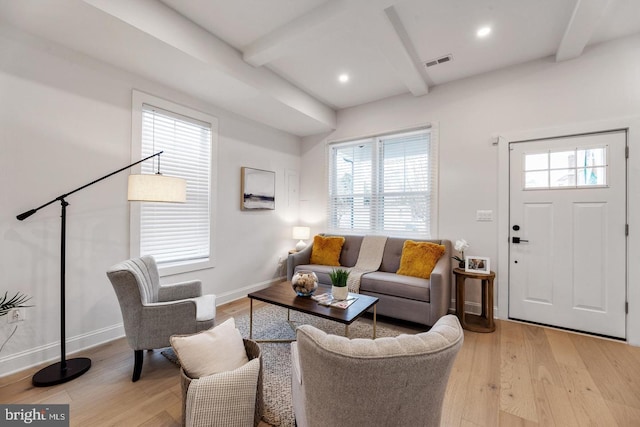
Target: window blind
382, 185
175, 233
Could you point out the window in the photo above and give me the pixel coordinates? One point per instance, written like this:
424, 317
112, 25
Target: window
383, 184
577, 168
179, 236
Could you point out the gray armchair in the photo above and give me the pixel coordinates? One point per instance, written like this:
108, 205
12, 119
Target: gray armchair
152, 312
397, 381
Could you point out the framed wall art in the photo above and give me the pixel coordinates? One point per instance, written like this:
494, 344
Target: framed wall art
258, 189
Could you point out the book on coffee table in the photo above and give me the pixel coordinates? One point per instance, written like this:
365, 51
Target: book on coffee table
327, 299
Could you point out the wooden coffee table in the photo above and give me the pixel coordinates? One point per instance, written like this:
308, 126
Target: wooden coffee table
282, 294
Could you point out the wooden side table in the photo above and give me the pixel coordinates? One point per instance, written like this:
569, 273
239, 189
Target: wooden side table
473, 322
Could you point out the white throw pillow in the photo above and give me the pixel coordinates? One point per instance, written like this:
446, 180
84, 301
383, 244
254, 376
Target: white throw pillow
209, 352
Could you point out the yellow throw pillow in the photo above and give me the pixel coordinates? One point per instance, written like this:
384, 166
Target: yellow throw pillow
326, 250
419, 258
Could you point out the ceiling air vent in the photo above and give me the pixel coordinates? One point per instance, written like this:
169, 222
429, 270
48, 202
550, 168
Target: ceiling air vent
436, 61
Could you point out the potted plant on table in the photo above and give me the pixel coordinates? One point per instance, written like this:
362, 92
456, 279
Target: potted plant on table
339, 288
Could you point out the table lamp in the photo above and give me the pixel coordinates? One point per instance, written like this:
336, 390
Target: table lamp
301, 233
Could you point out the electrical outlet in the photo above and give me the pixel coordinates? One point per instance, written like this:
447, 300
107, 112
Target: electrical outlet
16, 315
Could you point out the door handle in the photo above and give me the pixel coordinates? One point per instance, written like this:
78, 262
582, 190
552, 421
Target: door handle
518, 240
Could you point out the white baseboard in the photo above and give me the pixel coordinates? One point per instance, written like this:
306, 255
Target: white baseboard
471, 307
51, 352
242, 292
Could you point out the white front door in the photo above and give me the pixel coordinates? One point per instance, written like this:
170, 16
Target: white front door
567, 258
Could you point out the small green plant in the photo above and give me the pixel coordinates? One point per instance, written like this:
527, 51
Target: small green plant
339, 277
17, 300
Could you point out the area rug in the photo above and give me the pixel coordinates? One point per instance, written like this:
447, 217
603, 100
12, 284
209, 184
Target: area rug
270, 322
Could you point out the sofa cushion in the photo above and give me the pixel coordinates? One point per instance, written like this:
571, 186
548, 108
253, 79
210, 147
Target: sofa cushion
215, 350
350, 250
392, 254
383, 283
326, 250
419, 258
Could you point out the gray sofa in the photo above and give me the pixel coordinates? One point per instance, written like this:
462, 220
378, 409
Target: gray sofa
402, 297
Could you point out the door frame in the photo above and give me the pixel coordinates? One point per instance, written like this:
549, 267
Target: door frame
632, 125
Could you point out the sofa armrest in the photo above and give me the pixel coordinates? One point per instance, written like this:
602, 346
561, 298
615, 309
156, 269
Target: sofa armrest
298, 258
440, 285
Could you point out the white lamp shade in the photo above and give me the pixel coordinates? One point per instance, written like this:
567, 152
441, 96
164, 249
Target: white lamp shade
157, 188
301, 233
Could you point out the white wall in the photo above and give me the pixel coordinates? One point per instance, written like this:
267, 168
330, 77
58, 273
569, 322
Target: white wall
604, 83
65, 120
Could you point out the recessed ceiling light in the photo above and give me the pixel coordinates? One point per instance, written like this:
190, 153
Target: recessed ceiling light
484, 32
343, 78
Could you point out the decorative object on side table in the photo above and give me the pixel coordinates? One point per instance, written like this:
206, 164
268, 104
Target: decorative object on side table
339, 288
304, 283
477, 264
461, 246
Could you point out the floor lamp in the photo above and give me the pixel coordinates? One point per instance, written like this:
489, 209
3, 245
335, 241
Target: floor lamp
157, 188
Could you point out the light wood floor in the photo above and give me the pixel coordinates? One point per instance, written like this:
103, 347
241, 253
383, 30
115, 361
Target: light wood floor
520, 375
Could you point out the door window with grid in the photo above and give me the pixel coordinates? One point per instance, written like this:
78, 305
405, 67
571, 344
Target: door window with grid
581, 167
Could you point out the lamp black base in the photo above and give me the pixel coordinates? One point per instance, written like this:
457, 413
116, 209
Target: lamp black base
54, 374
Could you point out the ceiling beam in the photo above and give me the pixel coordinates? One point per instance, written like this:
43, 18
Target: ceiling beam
394, 44
379, 23
584, 20
287, 38
173, 29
